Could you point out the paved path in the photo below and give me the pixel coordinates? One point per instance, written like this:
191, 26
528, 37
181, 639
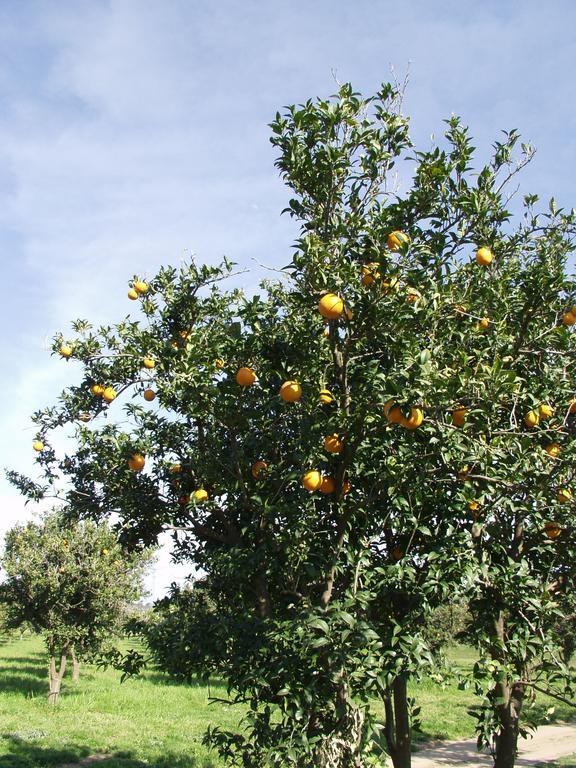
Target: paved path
549, 743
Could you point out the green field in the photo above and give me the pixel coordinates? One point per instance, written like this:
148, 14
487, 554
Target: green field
150, 722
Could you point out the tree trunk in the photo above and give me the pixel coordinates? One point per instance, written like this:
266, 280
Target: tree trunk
75, 666
55, 678
397, 730
507, 737
343, 750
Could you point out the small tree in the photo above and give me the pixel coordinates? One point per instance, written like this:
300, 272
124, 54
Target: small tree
348, 449
70, 582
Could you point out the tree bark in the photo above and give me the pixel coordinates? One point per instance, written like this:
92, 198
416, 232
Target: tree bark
75, 666
397, 730
507, 737
343, 749
55, 678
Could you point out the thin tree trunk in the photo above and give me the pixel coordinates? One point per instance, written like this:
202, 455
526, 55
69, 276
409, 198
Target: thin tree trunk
75, 666
55, 678
397, 729
507, 737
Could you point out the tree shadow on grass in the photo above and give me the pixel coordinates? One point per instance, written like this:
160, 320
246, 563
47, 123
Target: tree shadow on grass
23, 753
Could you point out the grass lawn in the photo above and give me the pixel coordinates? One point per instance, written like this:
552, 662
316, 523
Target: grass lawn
151, 722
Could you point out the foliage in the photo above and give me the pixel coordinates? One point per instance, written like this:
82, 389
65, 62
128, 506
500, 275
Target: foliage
322, 597
445, 625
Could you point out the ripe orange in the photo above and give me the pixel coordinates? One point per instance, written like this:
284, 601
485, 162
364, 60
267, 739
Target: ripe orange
133, 294
219, 363
333, 443
484, 324
370, 273
459, 416
200, 495
290, 391
552, 529
392, 284
312, 480
564, 495
396, 240
140, 286
532, 419
326, 397
572, 404
414, 420
473, 506
109, 394
97, 390
553, 449
38, 445
66, 350
328, 485
484, 256
149, 362
545, 412
331, 306
136, 462
258, 467
245, 377
569, 318
149, 395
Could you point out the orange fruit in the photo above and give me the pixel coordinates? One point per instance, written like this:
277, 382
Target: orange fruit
312, 480
545, 411
38, 445
463, 473
97, 390
326, 397
136, 462
552, 529
396, 240
219, 363
65, 350
245, 377
459, 416
564, 495
200, 495
331, 306
175, 469
333, 443
133, 294
532, 419
412, 295
369, 273
140, 286
414, 420
569, 318
109, 394
290, 391
258, 467
473, 506
392, 284
149, 395
572, 404
484, 324
327, 485
484, 256
553, 449
346, 487
149, 362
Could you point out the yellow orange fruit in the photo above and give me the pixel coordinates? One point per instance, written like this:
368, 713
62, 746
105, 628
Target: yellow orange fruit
175, 469
552, 529
133, 294
331, 306
109, 394
328, 485
258, 467
326, 397
38, 445
391, 284
545, 411
200, 495
396, 240
312, 480
97, 390
473, 506
532, 419
463, 473
136, 462
369, 274
290, 391
569, 318
553, 449
66, 350
483, 324
572, 405
484, 256
140, 286
564, 495
459, 416
412, 295
149, 395
245, 377
149, 362
219, 363
414, 420
333, 443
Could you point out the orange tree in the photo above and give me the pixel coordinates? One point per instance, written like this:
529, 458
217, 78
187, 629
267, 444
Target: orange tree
387, 424
71, 583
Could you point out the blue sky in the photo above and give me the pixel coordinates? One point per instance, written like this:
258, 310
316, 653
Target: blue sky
134, 132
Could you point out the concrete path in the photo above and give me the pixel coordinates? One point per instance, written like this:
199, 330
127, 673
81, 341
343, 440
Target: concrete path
549, 743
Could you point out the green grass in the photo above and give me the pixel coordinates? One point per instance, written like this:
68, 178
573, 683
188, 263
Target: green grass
151, 722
